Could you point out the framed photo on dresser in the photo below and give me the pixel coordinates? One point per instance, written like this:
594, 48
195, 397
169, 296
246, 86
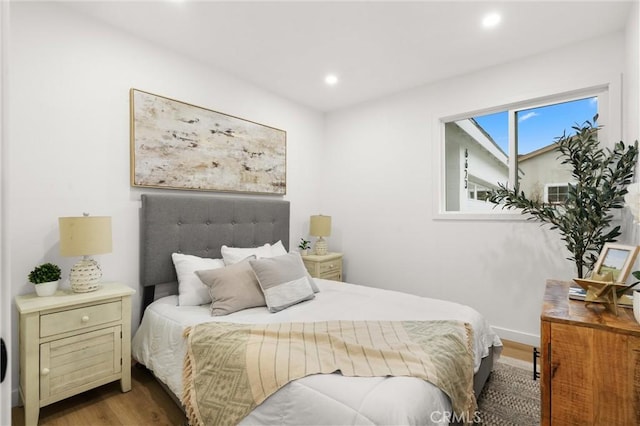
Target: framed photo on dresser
614, 263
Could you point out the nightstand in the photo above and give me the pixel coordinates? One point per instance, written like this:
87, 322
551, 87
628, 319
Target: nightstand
73, 342
328, 266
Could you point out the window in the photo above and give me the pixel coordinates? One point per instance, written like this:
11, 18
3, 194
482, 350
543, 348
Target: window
556, 193
512, 145
478, 191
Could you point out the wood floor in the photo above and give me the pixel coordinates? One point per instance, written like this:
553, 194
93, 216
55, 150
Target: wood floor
146, 404
517, 350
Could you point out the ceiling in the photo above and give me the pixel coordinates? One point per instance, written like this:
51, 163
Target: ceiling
375, 48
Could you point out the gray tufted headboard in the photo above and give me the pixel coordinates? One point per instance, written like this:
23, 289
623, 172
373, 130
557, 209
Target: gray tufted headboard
200, 225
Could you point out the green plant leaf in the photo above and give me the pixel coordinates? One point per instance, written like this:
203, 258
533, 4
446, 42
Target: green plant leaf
600, 176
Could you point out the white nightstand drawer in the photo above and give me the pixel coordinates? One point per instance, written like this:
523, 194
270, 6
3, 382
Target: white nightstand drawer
76, 361
77, 319
337, 276
330, 266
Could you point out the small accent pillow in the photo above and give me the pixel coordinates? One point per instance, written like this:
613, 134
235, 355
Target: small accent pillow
284, 280
232, 288
191, 291
233, 255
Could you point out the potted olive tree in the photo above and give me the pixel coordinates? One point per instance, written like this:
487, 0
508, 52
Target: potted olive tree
600, 179
45, 278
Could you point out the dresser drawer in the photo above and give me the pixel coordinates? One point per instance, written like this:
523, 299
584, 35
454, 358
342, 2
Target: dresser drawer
330, 266
79, 318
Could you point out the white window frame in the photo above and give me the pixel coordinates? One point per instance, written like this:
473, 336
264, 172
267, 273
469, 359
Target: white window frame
606, 88
554, 185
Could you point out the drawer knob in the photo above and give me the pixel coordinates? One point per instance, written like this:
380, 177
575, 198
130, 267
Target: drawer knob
45, 371
85, 318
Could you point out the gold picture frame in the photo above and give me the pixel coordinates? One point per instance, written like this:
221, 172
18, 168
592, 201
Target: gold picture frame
177, 145
614, 263
607, 283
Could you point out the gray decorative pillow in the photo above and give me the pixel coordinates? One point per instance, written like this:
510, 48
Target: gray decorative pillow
232, 288
284, 280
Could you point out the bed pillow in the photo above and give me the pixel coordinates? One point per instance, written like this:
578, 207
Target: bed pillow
232, 255
191, 291
278, 249
232, 288
284, 280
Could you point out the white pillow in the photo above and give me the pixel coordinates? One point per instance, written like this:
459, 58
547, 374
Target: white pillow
191, 291
278, 249
232, 255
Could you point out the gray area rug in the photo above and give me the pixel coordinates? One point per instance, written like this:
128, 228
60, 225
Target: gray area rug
510, 397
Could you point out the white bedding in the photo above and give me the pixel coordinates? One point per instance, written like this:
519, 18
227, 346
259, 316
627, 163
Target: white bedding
320, 399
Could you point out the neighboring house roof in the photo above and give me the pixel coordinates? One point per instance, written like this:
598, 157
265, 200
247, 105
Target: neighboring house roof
487, 135
537, 152
477, 133
486, 141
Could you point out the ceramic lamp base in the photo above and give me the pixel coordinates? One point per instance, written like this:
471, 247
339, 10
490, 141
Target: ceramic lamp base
85, 276
321, 247
636, 305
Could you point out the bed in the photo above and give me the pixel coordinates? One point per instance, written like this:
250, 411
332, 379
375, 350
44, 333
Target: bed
205, 226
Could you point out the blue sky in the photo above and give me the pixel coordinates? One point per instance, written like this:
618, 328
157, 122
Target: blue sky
538, 127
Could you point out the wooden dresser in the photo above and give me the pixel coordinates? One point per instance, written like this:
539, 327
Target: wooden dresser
590, 362
73, 342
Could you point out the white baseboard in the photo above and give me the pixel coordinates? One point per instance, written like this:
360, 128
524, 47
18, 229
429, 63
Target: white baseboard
518, 336
15, 397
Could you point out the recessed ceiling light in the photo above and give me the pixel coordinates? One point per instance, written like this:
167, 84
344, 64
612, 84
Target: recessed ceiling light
491, 20
331, 79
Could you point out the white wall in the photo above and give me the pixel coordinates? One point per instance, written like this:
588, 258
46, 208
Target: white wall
382, 186
631, 80
5, 292
69, 136
631, 102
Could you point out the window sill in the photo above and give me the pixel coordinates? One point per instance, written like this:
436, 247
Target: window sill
504, 216
496, 215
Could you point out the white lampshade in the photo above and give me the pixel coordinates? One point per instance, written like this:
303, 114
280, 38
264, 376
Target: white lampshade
320, 226
85, 236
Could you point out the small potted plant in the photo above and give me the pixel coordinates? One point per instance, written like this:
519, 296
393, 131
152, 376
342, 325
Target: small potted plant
304, 246
45, 277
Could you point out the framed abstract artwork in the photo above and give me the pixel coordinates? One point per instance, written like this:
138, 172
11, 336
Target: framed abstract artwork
176, 145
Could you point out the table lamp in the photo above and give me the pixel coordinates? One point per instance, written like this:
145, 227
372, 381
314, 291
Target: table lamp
85, 236
320, 226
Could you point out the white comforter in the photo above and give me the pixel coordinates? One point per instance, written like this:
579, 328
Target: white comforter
320, 399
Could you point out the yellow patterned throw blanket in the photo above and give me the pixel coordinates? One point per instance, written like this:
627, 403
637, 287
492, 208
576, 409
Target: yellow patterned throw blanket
231, 368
